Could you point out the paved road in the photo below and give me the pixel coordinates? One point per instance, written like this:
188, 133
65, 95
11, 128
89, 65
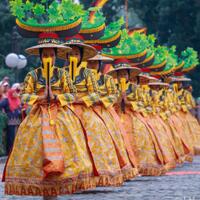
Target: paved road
182, 184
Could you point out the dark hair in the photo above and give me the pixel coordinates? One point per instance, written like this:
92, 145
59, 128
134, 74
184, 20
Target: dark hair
129, 73
124, 70
41, 50
100, 68
138, 80
81, 54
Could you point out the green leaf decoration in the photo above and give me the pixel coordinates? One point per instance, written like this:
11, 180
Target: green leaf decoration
161, 53
112, 29
95, 9
32, 21
44, 14
17, 8
151, 39
52, 12
171, 57
69, 10
39, 9
28, 6
129, 45
99, 19
190, 57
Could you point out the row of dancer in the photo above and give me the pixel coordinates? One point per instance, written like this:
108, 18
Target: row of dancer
94, 124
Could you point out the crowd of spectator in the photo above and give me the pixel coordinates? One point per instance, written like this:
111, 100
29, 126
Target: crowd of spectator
10, 114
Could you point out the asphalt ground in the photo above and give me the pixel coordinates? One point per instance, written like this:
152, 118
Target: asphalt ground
181, 184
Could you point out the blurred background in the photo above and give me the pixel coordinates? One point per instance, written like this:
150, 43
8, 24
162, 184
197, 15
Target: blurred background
174, 22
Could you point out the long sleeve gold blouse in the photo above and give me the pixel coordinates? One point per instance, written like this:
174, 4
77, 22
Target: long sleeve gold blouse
61, 85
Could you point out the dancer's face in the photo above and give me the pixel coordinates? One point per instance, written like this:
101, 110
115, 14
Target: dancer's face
49, 53
144, 81
133, 79
75, 53
180, 85
122, 74
93, 64
155, 87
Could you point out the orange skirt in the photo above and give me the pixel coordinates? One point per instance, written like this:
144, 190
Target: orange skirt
49, 159
110, 119
101, 146
193, 129
164, 139
183, 146
143, 144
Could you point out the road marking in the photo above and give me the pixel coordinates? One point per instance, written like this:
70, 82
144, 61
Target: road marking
183, 173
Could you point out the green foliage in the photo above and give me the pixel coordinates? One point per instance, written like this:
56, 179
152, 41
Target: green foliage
69, 10
28, 6
161, 53
17, 8
151, 39
130, 45
38, 10
190, 57
99, 19
172, 58
113, 28
43, 14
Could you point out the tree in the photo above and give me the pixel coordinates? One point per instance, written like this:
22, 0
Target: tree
174, 22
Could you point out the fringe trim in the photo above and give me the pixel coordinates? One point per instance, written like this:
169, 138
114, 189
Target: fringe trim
181, 160
106, 180
26, 189
189, 158
129, 174
152, 170
170, 165
196, 150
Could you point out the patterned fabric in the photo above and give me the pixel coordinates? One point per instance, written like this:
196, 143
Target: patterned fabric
108, 90
143, 143
109, 118
180, 138
163, 136
99, 139
116, 136
50, 156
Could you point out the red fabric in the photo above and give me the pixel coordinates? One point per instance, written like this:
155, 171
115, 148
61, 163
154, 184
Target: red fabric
14, 102
145, 70
107, 68
48, 35
97, 47
178, 74
75, 37
121, 60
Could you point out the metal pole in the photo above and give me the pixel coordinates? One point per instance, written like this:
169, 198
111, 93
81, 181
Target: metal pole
126, 13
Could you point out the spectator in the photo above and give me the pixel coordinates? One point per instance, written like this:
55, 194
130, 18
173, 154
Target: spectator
198, 109
12, 107
4, 87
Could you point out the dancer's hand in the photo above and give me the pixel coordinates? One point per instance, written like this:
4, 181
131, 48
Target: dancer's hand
124, 96
51, 93
44, 97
